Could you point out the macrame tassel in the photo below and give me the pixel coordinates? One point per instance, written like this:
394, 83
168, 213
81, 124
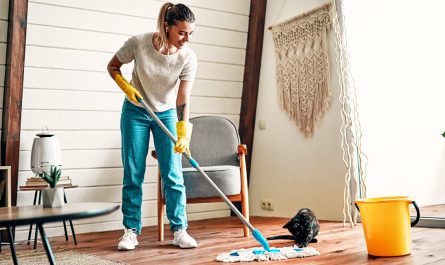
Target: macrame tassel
303, 67
354, 159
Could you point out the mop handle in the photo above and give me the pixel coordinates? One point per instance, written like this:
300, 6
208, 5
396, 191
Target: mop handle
255, 232
196, 166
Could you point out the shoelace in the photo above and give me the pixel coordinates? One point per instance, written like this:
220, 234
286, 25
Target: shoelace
182, 234
128, 234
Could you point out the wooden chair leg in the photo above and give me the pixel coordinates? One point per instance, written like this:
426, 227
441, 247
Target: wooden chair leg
160, 221
242, 152
245, 212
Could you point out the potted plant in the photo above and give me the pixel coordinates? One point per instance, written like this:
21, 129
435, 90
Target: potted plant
52, 197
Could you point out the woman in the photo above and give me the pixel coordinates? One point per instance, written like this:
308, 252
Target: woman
160, 59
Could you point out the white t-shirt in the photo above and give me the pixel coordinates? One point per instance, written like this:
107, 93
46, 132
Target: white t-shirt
156, 75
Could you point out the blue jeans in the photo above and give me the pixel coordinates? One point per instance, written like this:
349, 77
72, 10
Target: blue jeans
136, 124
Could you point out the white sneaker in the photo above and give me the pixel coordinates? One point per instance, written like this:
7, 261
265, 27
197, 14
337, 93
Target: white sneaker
129, 240
184, 240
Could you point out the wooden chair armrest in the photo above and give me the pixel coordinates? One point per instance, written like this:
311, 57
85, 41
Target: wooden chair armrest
242, 149
154, 154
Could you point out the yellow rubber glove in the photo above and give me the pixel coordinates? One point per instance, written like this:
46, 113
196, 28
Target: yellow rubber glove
128, 89
184, 130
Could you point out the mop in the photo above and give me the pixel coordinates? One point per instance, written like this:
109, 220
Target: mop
260, 254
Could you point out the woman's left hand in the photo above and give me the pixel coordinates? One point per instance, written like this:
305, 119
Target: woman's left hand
184, 130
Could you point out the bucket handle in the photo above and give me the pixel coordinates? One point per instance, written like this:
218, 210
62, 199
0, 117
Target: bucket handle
413, 223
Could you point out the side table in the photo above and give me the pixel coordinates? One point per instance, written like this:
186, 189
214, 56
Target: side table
38, 194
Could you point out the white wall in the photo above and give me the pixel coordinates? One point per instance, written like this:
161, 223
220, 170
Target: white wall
4, 8
292, 170
398, 64
67, 88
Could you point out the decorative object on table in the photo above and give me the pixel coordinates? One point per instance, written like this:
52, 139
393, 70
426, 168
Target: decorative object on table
52, 197
45, 152
302, 66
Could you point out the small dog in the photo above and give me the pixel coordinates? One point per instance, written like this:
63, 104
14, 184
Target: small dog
304, 228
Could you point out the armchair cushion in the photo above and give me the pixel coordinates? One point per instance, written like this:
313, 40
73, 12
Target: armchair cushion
227, 178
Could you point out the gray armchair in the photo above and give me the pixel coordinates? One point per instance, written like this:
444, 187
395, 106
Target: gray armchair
215, 145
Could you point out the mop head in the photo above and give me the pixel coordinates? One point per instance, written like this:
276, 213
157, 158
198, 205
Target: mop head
259, 254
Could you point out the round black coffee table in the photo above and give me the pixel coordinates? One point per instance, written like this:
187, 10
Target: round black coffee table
36, 214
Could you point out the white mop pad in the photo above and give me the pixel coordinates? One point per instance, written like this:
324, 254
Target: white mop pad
259, 254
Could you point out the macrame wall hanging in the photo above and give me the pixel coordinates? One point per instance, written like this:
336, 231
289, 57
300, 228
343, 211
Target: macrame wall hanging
302, 67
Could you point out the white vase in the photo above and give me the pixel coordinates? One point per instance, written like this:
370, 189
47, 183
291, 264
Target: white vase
52, 197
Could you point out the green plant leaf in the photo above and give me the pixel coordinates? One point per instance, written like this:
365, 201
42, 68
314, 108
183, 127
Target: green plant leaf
48, 179
443, 134
53, 177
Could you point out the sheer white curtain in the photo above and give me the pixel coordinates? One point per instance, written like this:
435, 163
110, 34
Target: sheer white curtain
397, 59
353, 157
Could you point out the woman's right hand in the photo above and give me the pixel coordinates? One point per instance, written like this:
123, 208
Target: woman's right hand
128, 89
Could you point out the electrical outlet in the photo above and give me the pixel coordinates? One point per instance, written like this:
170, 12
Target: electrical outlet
267, 204
262, 124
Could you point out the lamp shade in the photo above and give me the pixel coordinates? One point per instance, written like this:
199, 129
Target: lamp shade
45, 153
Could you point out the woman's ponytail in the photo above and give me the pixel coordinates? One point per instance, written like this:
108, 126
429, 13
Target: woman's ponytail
161, 25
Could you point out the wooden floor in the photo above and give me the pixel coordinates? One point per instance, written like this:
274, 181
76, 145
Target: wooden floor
437, 211
337, 244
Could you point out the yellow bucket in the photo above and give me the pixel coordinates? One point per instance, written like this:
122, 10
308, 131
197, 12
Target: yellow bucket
387, 224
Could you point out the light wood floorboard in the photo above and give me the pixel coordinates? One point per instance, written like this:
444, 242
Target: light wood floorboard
437, 211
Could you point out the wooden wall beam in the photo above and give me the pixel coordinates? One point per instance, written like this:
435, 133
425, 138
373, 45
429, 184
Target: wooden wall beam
12, 99
252, 76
